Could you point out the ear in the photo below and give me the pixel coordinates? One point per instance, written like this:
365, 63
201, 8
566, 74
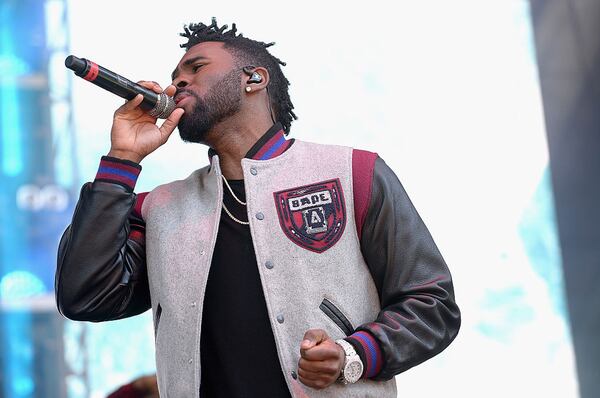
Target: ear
264, 77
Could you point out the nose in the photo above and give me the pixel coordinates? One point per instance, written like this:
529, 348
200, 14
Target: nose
179, 82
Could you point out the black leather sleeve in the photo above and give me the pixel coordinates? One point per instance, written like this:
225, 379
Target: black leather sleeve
419, 316
101, 272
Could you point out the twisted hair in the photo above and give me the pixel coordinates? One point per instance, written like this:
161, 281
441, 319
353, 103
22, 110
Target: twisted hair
248, 52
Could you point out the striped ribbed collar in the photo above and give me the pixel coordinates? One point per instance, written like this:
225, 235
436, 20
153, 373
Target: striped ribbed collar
270, 145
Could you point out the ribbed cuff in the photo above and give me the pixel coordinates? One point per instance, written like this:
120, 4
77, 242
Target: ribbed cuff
369, 352
118, 171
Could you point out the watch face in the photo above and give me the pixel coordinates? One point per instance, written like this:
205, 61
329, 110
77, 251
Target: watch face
353, 371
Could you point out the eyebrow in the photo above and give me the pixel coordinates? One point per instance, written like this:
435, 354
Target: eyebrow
187, 62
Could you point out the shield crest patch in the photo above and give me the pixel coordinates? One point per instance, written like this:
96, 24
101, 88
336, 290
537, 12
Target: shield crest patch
312, 216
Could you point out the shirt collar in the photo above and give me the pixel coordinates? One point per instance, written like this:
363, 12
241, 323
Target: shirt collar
270, 145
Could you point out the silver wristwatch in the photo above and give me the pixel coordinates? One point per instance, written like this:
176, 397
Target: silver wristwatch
353, 366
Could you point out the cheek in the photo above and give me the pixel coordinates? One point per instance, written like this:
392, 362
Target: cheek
204, 82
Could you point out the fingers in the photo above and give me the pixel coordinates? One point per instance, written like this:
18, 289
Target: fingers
313, 337
312, 379
170, 123
154, 86
138, 99
170, 90
319, 374
321, 352
312, 347
321, 359
130, 105
329, 367
151, 85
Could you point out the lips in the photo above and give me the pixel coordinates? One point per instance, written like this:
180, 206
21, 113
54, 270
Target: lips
180, 97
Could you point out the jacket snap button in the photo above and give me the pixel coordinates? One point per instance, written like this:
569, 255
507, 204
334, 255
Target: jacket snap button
280, 318
269, 265
253, 171
260, 216
294, 375
191, 360
193, 304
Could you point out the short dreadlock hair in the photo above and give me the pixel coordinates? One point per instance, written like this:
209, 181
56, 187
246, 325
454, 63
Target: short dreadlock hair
248, 52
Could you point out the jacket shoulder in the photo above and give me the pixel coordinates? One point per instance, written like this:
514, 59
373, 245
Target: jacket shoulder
167, 190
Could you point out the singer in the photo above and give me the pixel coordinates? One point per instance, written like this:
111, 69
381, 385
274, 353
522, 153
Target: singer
283, 268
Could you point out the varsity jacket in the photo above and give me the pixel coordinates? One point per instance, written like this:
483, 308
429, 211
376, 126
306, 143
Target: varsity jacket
338, 244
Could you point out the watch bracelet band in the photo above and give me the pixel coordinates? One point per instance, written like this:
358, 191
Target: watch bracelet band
350, 352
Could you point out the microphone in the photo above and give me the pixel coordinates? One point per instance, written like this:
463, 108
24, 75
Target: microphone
157, 105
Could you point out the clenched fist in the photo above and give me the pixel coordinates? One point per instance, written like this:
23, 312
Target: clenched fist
321, 359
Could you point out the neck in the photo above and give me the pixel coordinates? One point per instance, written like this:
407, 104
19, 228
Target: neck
232, 139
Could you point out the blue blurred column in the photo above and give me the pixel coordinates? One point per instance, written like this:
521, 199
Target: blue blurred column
36, 188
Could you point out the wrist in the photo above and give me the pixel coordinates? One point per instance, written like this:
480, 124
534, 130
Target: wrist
125, 155
368, 349
352, 366
341, 362
118, 171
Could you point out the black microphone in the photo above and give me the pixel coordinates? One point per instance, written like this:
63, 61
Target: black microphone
157, 105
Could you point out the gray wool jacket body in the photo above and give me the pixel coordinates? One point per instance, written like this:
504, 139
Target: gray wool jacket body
403, 294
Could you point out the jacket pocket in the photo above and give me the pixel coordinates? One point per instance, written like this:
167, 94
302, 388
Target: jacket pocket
336, 316
157, 318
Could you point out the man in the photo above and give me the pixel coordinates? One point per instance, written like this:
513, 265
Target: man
283, 268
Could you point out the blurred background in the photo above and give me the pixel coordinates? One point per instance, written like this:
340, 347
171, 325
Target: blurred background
487, 110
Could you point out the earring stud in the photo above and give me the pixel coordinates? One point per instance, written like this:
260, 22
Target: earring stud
248, 89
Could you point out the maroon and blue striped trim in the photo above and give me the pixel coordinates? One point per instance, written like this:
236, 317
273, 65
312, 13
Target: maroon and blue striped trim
373, 358
118, 171
363, 164
275, 146
272, 144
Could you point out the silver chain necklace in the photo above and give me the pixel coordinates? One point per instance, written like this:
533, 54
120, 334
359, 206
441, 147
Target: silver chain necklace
237, 200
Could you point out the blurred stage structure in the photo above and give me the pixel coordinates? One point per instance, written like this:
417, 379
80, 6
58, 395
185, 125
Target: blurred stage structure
36, 193
567, 38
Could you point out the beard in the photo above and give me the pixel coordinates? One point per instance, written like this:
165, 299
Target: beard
220, 102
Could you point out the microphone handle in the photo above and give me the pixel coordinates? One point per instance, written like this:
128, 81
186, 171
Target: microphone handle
159, 105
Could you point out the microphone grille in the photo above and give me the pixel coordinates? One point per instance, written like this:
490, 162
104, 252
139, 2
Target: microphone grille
164, 106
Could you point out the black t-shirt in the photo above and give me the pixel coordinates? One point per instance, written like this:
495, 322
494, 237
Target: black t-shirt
238, 353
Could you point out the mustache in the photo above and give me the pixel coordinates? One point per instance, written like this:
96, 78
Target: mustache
184, 91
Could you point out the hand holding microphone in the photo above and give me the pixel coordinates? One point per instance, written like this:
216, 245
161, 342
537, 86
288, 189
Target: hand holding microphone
134, 132
156, 104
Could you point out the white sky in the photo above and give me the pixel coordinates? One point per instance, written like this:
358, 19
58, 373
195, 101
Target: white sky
446, 92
